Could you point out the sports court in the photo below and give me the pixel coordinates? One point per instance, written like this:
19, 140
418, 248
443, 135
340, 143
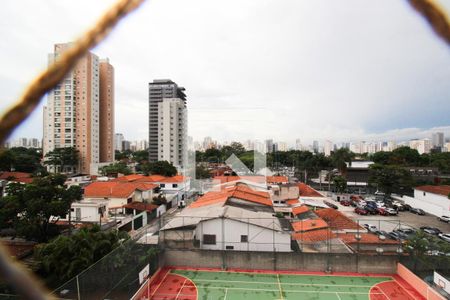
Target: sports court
210, 284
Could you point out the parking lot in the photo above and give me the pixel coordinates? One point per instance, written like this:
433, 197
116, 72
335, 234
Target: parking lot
389, 223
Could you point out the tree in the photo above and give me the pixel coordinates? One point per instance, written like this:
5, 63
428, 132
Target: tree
62, 159
21, 159
390, 178
28, 208
202, 172
405, 156
140, 156
115, 168
340, 158
417, 246
66, 256
340, 183
163, 168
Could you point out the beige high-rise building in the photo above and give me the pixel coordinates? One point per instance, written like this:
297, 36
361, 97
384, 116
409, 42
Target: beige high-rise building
80, 113
106, 111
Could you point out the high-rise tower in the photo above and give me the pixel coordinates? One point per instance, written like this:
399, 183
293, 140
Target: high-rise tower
167, 122
79, 113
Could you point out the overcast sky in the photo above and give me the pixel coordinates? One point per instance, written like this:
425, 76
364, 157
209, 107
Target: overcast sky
312, 69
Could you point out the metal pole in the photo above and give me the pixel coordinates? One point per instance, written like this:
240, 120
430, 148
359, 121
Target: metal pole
78, 288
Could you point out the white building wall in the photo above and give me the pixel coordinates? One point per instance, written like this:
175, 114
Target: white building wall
259, 238
434, 204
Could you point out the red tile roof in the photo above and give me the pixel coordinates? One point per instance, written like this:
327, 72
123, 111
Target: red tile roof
277, 179
366, 238
292, 201
151, 178
115, 189
307, 191
443, 190
256, 179
241, 192
17, 176
176, 178
300, 210
210, 198
128, 178
310, 224
245, 193
336, 219
141, 206
314, 235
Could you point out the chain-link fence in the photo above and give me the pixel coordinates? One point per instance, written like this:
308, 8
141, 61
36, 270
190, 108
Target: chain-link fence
116, 275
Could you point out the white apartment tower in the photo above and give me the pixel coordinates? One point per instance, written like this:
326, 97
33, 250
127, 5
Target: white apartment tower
172, 131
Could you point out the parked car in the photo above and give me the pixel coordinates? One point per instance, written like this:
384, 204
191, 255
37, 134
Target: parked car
391, 211
430, 230
381, 232
371, 210
331, 204
346, 202
444, 219
361, 211
382, 211
406, 231
417, 211
372, 228
407, 207
445, 236
398, 236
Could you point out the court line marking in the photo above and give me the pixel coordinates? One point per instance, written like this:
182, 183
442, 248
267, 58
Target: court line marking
187, 278
339, 297
290, 291
279, 287
285, 283
404, 288
184, 282
267, 272
387, 297
164, 278
226, 293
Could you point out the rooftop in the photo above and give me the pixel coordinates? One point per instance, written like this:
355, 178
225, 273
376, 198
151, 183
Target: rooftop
307, 191
17, 176
300, 210
337, 220
310, 224
141, 206
443, 190
115, 189
318, 235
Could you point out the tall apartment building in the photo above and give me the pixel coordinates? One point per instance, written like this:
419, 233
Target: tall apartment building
437, 139
106, 113
172, 142
79, 113
118, 141
167, 122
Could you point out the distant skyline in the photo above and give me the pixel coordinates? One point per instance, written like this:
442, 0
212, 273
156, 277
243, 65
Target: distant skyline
314, 70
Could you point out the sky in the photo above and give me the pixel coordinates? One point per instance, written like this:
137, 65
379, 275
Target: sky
293, 69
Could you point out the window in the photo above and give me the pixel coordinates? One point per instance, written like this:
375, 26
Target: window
175, 185
424, 193
244, 238
209, 239
229, 247
162, 185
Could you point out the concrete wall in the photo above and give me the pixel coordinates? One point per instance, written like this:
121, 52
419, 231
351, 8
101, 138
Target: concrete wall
259, 238
281, 261
428, 203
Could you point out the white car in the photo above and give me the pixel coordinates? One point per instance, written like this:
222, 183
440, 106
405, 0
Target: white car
444, 219
391, 211
445, 236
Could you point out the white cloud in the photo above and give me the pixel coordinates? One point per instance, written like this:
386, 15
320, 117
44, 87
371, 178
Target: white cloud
252, 69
